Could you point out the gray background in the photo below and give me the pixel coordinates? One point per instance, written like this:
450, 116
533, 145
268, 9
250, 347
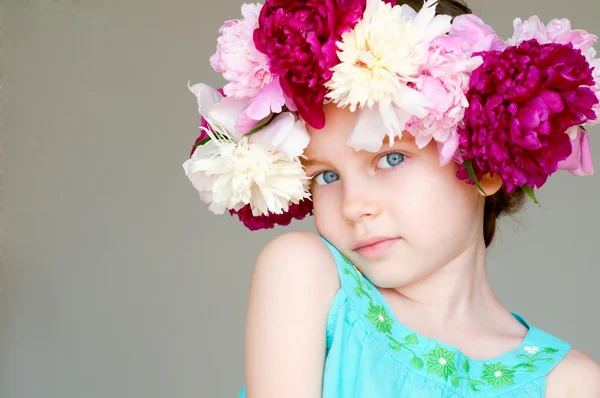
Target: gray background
116, 281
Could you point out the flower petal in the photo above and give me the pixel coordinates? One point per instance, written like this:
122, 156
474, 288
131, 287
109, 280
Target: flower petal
579, 163
206, 95
368, 132
223, 116
285, 134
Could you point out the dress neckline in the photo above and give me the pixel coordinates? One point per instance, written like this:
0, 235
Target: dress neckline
444, 363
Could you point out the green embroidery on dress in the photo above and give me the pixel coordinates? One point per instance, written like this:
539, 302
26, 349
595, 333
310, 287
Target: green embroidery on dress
534, 352
472, 382
498, 375
380, 319
441, 361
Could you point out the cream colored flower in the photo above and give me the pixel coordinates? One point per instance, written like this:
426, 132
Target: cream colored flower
379, 58
262, 169
240, 173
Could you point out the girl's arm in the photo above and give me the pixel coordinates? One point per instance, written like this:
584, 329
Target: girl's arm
293, 284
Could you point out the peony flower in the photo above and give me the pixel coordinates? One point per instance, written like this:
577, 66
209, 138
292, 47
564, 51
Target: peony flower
241, 173
296, 211
270, 100
522, 100
559, 31
237, 58
477, 35
379, 59
262, 170
299, 39
283, 132
252, 86
444, 81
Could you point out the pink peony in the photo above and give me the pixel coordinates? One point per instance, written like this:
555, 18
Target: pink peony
557, 31
299, 38
522, 101
247, 71
476, 34
242, 65
253, 223
443, 81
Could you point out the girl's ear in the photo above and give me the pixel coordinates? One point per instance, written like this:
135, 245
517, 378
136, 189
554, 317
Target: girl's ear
490, 184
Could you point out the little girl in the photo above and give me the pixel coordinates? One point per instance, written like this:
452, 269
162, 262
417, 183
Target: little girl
406, 130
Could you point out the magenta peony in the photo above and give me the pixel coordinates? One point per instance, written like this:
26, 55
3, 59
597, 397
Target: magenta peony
299, 38
254, 223
522, 101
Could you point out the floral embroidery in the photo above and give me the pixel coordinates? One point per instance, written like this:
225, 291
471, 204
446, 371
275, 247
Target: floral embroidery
380, 319
531, 350
441, 361
533, 357
498, 375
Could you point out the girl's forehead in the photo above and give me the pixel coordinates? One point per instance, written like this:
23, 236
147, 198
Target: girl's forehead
333, 137
339, 122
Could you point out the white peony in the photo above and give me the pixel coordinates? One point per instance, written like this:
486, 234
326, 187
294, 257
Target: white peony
380, 57
261, 169
230, 175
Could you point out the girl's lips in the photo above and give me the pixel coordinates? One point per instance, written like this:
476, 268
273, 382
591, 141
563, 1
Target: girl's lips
377, 248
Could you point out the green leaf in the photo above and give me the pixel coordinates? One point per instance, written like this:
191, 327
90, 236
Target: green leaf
529, 191
473, 384
523, 356
412, 339
346, 271
550, 350
466, 366
261, 124
456, 381
469, 167
394, 345
417, 362
199, 143
359, 292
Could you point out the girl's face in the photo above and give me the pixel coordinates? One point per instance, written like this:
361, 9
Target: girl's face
400, 193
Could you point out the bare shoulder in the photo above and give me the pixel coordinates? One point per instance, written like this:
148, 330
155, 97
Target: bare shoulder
293, 284
577, 375
299, 258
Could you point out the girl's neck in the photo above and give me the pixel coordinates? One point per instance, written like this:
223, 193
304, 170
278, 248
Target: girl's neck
459, 294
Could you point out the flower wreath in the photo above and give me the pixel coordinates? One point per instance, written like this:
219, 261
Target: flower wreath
516, 108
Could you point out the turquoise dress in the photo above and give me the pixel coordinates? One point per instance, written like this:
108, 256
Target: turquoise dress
371, 355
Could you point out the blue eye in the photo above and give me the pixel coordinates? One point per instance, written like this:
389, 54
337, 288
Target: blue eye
390, 160
326, 177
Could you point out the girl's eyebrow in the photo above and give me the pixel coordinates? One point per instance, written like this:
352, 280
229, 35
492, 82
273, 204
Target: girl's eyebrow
312, 162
